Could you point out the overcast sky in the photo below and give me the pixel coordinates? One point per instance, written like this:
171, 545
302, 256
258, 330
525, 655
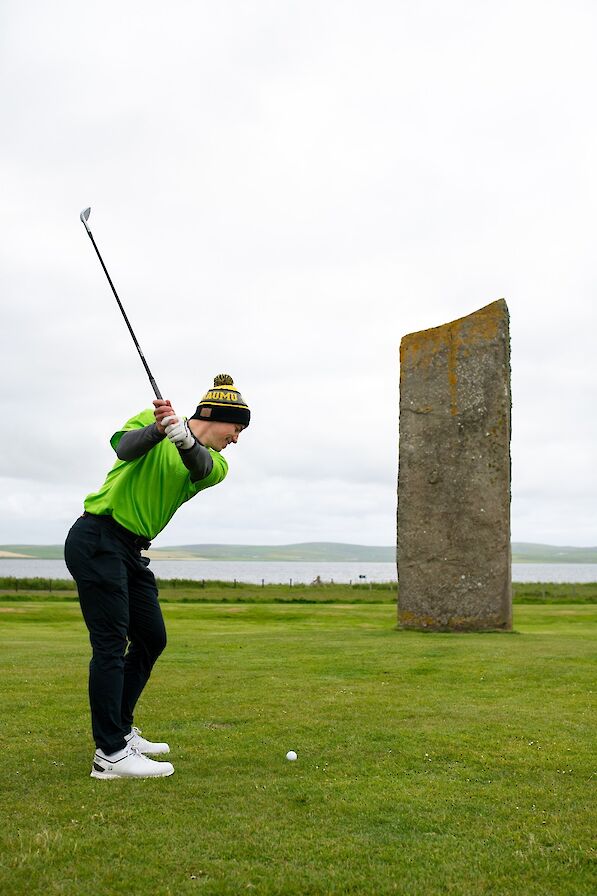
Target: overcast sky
281, 191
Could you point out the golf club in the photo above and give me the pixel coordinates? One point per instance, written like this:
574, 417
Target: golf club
84, 218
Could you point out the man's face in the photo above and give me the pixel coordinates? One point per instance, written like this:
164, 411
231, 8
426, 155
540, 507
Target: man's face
220, 435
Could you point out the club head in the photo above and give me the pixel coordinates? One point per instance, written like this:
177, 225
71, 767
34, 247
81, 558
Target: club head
84, 216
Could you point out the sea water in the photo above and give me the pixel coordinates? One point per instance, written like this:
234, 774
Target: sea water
269, 572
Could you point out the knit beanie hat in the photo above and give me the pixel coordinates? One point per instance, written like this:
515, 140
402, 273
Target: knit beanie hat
223, 403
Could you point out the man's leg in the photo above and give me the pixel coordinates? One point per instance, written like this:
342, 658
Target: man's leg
147, 636
96, 564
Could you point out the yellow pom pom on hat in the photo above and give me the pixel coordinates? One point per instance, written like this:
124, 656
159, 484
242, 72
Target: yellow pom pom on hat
223, 403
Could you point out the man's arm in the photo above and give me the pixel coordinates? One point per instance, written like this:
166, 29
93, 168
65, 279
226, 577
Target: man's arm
197, 460
135, 443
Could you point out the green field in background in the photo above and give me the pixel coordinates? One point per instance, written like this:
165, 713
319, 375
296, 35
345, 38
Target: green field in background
191, 590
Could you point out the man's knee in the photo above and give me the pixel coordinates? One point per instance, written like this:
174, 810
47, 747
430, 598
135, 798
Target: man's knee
152, 642
108, 643
159, 641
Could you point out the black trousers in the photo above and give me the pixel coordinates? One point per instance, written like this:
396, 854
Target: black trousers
119, 600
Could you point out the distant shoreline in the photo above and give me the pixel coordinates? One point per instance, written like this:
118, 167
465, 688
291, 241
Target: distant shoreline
311, 552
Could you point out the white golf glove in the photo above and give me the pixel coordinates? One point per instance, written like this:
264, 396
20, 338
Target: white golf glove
179, 432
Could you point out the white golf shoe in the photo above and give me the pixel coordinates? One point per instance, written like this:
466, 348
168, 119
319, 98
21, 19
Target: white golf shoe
134, 739
128, 763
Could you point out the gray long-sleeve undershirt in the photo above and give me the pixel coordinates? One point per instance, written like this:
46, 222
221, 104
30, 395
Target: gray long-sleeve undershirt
135, 443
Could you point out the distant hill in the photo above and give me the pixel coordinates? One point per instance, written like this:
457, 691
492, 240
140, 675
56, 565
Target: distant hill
523, 552
32, 551
310, 551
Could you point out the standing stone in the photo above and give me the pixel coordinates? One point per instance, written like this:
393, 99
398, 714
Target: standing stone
454, 556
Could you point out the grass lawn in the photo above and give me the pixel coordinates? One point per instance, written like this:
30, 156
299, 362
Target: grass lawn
428, 763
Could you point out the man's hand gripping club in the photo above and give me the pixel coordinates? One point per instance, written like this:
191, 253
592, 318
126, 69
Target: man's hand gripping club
169, 424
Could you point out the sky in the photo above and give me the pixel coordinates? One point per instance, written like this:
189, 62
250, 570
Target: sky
281, 191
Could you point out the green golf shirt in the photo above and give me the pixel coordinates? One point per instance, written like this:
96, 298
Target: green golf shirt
144, 494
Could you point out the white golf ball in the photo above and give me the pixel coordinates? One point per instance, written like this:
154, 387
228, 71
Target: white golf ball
291, 756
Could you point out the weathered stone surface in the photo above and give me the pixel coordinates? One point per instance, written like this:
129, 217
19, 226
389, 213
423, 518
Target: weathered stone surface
454, 557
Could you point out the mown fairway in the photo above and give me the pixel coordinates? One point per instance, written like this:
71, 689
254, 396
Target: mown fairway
428, 764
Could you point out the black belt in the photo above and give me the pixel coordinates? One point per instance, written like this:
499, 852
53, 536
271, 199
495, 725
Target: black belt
137, 541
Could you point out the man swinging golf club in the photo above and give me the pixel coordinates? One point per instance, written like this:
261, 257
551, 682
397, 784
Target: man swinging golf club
163, 461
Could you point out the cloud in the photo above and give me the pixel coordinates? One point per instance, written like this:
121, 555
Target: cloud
283, 192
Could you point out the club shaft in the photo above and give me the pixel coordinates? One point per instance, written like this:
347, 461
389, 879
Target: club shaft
126, 320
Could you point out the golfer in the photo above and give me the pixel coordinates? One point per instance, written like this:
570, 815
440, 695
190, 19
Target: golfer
163, 460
